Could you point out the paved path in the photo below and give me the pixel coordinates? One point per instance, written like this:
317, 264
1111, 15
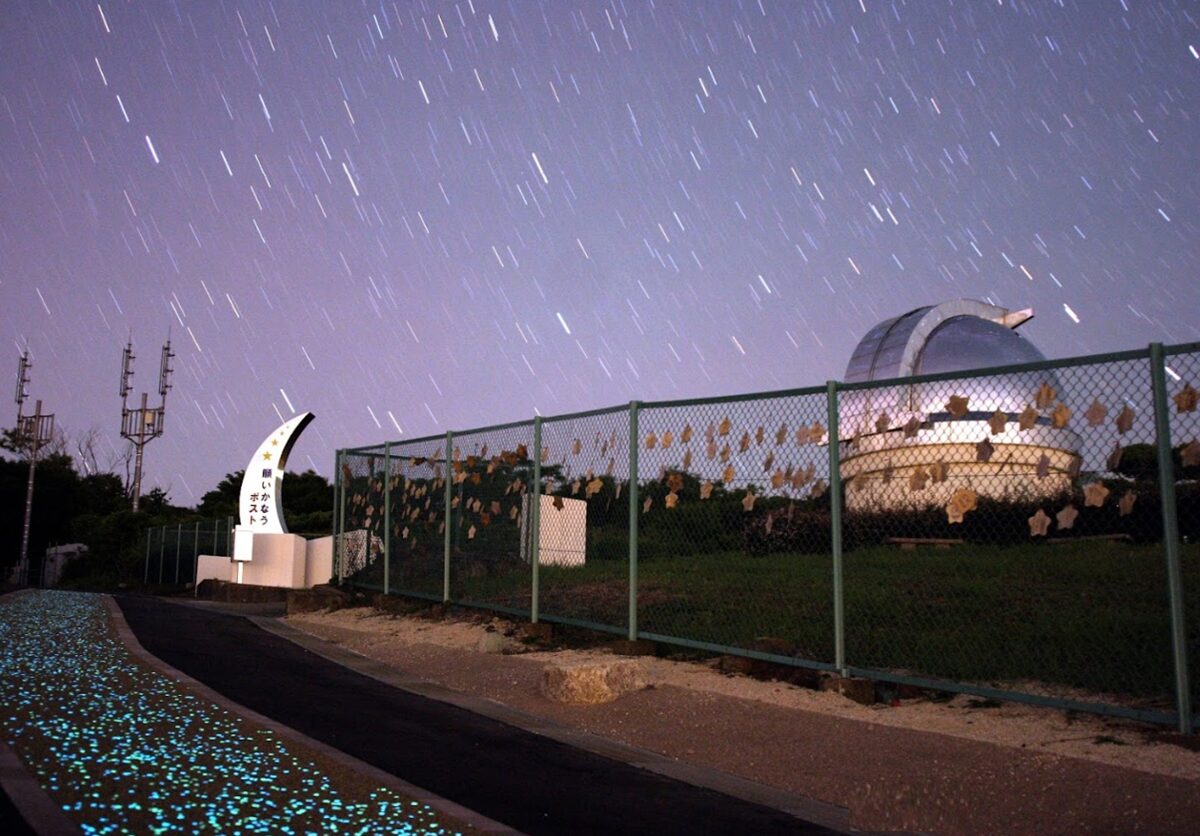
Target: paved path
525, 780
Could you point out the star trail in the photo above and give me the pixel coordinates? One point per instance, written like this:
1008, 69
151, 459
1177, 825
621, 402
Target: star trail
409, 217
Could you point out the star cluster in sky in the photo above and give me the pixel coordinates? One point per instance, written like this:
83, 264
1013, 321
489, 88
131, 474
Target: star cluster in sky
409, 217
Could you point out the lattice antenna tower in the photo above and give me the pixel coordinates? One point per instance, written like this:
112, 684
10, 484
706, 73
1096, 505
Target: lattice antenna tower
33, 432
144, 423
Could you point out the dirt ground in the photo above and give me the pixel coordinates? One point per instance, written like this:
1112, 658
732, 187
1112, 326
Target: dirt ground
961, 766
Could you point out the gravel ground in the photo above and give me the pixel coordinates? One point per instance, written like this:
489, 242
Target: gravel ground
950, 767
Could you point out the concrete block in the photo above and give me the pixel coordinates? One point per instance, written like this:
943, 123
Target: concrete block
862, 691
592, 682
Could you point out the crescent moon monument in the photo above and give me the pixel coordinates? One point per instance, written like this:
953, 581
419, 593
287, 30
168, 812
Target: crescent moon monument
261, 501
261, 505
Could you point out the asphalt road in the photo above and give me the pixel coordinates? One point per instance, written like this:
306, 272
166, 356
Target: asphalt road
527, 781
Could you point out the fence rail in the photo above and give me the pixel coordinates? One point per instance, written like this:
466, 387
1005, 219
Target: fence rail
172, 550
1027, 532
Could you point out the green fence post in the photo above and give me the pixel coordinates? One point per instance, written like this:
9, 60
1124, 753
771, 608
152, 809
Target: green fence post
448, 498
340, 520
162, 548
534, 523
835, 524
228, 537
1166, 490
633, 517
387, 515
196, 553
178, 549
146, 579
216, 534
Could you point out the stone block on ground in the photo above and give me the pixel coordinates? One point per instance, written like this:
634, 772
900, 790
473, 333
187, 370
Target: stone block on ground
592, 682
492, 643
862, 691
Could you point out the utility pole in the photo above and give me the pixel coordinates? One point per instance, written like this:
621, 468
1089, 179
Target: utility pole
143, 424
33, 432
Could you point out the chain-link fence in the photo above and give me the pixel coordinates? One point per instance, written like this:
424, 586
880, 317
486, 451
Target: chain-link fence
1029, 532
172, 550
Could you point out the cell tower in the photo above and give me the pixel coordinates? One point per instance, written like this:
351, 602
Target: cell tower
33, 432
145, 423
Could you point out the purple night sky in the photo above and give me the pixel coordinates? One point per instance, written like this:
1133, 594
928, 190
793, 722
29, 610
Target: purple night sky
409, 217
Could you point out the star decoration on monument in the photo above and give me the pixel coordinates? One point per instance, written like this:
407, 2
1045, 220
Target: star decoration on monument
882, 423
1066, 517
686, 435
768, 462
687, 459
724, 427
651, 441
939, 471
671, 499
781, 434
1186, 399
1028, 418
706, 490
1061, 416
666, 440
777, 479
727, 474
759, 435
744, 443
1039, 524
911, 427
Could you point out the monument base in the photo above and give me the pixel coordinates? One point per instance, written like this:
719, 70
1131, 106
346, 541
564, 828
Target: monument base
281, 560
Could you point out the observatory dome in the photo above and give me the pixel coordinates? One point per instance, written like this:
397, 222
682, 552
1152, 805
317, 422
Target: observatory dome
887, 395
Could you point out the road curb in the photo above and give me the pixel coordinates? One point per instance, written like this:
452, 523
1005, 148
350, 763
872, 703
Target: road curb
384, 779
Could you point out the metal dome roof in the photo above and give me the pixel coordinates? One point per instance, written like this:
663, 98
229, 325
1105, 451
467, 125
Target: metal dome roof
957, 335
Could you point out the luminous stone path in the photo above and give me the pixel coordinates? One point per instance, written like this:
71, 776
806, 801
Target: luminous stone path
123, 748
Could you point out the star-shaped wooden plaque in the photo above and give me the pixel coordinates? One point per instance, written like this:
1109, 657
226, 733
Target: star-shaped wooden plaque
1039, 524
1125, 419
957, 406
998, 422
1186, 399
984, 450
1094, 494
1044, 396
1126, 503
1066, 517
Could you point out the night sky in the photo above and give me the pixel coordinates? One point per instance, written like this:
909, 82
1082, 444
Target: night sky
413, 217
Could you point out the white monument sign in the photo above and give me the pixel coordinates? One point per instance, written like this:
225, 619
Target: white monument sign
261, 504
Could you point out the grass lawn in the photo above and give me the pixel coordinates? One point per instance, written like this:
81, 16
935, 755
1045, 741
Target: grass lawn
1087, 615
